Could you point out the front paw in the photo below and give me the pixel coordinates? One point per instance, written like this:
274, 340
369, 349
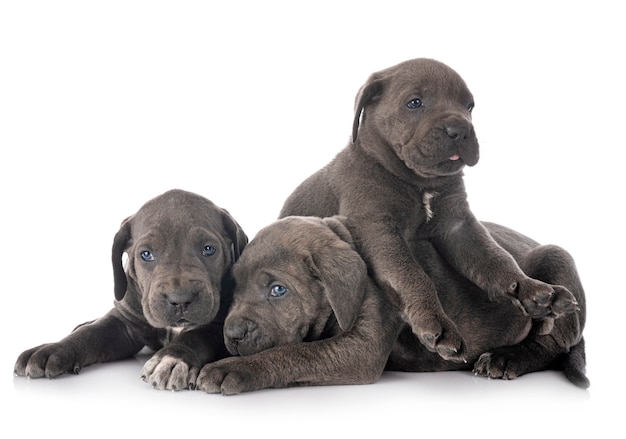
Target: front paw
48, 360
439, 335
169, 372
540, 300
563, 301
231, 376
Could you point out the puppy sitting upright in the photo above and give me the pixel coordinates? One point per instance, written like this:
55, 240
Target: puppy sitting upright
180, 249
401, 181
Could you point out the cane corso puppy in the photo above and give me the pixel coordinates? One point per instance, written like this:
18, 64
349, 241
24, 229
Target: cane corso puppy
176, 284
401, 180
305, 312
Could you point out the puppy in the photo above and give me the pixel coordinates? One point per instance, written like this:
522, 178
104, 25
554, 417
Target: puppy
305, 312
401, 180
180, 249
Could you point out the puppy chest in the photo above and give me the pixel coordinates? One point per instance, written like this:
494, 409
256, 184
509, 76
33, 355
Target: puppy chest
420, 216
427, 205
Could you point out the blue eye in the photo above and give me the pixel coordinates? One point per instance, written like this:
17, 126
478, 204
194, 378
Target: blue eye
278, 291
208, 250
147, 256
414, 103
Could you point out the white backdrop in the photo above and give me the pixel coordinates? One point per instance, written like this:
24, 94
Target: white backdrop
104, 105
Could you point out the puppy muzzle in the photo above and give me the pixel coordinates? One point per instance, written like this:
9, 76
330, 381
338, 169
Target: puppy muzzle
241, 337
461, 132
181, 303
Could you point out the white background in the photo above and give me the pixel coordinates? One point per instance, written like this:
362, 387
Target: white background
104, 105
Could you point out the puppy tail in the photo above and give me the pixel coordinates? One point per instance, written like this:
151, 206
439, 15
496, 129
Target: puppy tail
574, 365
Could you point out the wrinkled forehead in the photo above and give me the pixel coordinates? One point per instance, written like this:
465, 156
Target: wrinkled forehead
170, 234
258, 258
175, 218
428, 77
281, 246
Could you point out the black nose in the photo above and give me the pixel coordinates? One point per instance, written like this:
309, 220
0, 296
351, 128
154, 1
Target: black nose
458, 130
181, 298
237, 330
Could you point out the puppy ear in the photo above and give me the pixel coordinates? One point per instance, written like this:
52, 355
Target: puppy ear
120, 244
372, 88
344, 276
337, 223
235, 232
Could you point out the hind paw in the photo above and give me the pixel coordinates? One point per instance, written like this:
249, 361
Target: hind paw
494, 366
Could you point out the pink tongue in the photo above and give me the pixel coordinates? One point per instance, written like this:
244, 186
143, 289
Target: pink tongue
455, 157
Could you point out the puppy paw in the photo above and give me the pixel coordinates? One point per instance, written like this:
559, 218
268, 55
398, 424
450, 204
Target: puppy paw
540, 300
563, 301
169, 373
496, 366
48, 361
440, 336
230, 376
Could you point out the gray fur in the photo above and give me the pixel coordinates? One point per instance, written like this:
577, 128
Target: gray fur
180, 290
401, 180
298, 338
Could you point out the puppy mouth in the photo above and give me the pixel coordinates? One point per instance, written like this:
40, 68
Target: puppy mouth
246, 343
449, 166
184, 323
243, 349
468, 155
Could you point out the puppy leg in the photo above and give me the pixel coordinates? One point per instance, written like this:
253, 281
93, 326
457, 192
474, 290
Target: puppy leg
103, 340
556, 267
469, 247
176, 366
429, 323
509, 362
356, 357
398, 272
534, 354
552, 343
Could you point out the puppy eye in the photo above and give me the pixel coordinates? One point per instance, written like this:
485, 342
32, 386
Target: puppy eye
147, 256
278, 291
414, 103
208, 250
470, 107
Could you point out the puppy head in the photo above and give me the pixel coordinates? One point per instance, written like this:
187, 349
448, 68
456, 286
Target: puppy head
180, 248
419, 111
297, 280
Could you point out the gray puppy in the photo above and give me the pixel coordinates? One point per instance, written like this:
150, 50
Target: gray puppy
400, 181
305, 312
180, 249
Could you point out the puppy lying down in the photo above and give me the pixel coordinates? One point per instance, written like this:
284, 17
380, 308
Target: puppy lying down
305, 312
180, 249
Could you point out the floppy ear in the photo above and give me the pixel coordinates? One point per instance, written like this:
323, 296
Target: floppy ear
120, 243
372, 88
235, 232
337, 223
344, 276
